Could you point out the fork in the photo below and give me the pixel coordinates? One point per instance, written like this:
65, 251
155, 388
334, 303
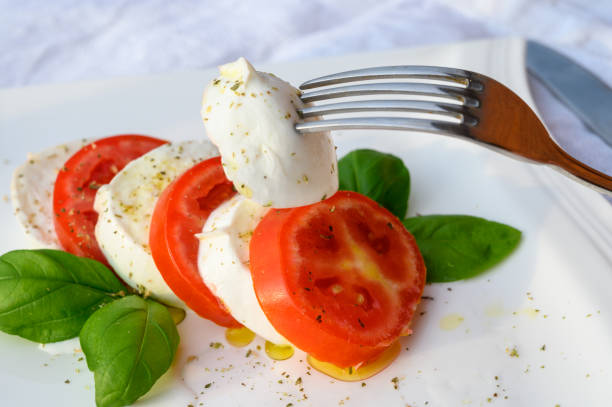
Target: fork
446, 101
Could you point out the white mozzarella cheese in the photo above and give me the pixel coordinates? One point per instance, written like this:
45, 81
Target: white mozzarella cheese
223, 259
32, 192
125, 207
251, 116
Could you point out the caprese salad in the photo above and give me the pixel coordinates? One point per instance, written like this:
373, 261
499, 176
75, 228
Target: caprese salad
250, 231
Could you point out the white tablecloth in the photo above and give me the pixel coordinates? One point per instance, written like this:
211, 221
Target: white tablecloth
48, 41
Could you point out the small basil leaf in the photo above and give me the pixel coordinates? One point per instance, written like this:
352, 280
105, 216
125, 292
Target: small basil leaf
47, 295
456, 247
128, 344
178, 314
379, 176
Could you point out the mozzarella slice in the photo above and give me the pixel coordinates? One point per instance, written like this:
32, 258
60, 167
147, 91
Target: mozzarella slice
125, 207
251, 116
223, 260
32, 192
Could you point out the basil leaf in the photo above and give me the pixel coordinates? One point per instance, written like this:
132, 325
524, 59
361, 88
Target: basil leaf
177, 314
456, 247
47, 295
128, 344
379, 176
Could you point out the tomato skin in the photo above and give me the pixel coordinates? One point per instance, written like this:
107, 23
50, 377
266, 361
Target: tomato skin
301, 310
181, 212
77, 182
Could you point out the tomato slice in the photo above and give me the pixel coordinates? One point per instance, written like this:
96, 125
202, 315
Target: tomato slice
340, 279
180, 213
77, 182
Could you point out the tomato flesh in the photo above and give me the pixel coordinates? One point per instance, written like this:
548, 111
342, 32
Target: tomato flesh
340, 279
180, 213
77, 182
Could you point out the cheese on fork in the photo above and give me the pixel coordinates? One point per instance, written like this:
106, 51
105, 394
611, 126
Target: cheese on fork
32, 192
223, 262
125, 207
250, 116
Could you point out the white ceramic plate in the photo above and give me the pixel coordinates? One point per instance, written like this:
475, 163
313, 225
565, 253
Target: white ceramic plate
550, 300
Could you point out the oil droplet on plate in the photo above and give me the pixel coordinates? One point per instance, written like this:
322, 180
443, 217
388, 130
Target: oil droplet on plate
530, 312
279, 352
451, 322
351, 374
239, 337
494, 310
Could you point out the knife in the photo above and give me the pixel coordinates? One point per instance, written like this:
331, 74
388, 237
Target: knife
579, 89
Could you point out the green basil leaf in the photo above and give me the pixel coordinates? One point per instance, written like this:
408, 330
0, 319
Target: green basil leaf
379, 176
456, 247
178, 314
47, 295
128, 344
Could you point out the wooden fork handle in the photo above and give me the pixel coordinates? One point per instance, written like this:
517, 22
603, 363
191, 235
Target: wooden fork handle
508, 123
581, 171
539, 147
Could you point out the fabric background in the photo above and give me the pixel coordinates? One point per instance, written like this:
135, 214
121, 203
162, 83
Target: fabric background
52, 41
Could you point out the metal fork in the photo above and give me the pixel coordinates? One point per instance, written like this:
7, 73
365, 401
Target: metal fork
446, 101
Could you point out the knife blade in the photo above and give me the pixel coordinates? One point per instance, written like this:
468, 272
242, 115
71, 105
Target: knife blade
579, 89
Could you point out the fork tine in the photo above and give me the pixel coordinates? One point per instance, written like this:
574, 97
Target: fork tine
384, 123
434, 110
452, 77
416, 90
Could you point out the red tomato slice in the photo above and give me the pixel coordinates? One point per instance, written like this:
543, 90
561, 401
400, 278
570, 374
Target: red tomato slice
180, 213
340, 279
76, 184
